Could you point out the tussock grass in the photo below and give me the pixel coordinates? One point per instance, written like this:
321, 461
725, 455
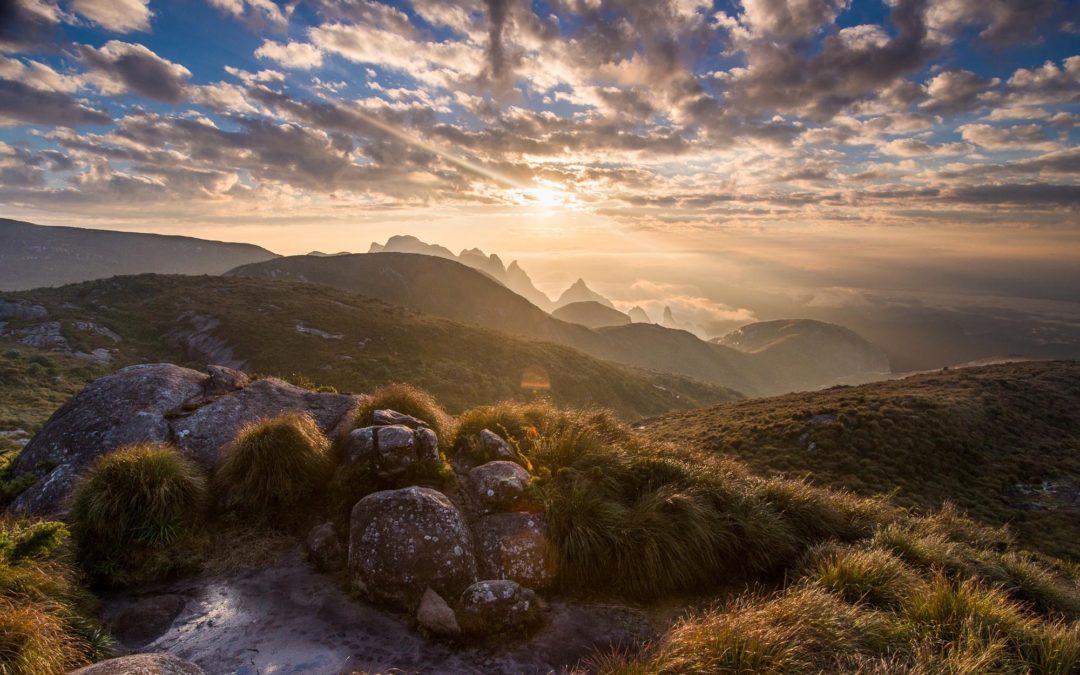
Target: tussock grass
410, 400
135, 512
872, 576
274, 468
799, 631
44, 613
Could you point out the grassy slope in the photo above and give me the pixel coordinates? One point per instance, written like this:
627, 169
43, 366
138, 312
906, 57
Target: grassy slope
461, 364
969, 436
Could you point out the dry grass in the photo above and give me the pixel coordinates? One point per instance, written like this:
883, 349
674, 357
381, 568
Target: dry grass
409, 400
274, 469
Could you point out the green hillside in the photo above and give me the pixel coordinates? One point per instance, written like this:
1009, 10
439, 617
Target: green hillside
1002, 442
320, 335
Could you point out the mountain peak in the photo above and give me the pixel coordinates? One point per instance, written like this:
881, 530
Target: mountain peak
579, 291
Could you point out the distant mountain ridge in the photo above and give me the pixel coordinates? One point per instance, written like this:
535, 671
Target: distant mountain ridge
592, 314
33, 256
444, 287
512, 276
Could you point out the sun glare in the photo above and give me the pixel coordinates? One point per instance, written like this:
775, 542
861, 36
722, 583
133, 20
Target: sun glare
546, 197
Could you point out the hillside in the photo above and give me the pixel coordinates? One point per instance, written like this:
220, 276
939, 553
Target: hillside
591, 314
1002, 442
788, 342
442, 287
328, 337
32, 256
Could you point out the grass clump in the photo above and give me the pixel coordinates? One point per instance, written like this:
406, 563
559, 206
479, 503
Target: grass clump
409, 400
274, 468
135, 513
44, 614
872, 576
799, 631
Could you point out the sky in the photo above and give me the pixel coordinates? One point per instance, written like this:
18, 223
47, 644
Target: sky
832, 152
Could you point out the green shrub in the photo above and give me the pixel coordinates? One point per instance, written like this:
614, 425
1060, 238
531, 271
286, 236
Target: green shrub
408, 400
274, 468
134, 514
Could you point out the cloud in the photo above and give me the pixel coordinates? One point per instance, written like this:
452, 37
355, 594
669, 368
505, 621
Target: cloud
1023, 136
954, 91
120, 16
1000, 22
294, 55
22, 103
123, 66
788, 19
259, 15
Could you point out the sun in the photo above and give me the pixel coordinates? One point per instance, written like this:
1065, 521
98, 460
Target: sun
546, 197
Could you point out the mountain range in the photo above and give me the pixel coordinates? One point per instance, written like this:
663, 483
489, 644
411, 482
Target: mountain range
32, 256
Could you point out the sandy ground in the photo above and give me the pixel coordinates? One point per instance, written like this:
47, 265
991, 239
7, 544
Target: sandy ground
289, 619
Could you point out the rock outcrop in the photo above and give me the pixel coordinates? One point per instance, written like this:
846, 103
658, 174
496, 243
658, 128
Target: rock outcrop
156, 403
436, 616
402, 542
324, 548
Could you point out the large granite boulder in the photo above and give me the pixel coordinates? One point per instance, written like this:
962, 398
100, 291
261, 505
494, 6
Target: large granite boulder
402, 542
498, 606
205, 431
393, 450
142, 664
157, 403
129, 406
515, 546
498, 486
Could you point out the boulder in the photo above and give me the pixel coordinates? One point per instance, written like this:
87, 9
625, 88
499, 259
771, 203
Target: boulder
48, 496
145, 619
493, 446
497, 486
21, 309
129, 406
515, 546
402, 542
393, 450
435, 616
324, 548
498, 606
205, 431
142, 664
388, 417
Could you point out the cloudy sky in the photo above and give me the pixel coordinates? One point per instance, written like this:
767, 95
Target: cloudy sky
841, 145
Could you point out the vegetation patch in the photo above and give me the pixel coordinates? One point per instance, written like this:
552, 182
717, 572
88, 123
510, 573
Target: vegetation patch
45, 624
274, 468
135, 513
409, 400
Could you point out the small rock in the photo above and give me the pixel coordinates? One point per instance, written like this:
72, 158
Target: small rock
393, 450
497, 486
515, 546
491, 607
146, 619
324, 548
45, 336
492, 445
224, 380
142, 664
402, 542
435, 616
388, 417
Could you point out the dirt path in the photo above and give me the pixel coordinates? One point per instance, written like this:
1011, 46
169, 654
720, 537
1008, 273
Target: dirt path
288, 619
